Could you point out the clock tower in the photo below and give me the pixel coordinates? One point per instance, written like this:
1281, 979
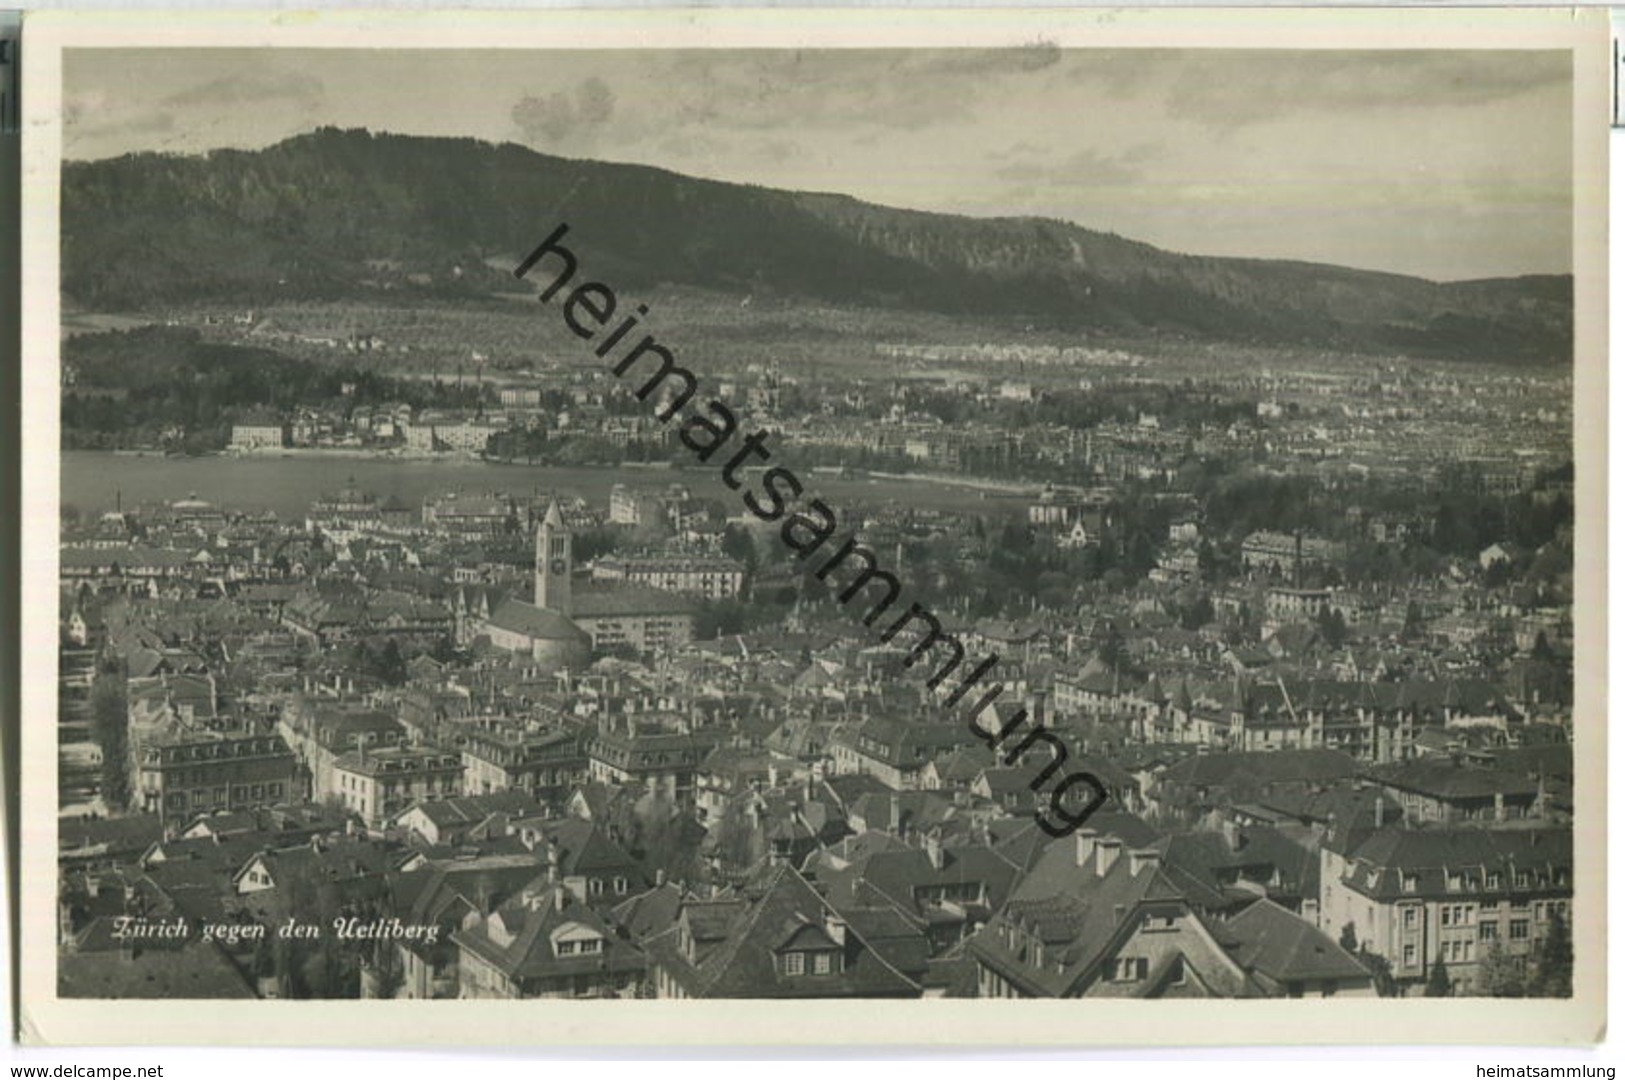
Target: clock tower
553, 561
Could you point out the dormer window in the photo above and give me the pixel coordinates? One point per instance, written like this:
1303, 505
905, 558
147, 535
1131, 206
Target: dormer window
1131, 969
1410, 883
810, 962
575, 939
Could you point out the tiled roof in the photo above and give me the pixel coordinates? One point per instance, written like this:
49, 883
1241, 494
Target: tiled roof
1272, 940
1380, 866
518, 617
630, 601
745, 964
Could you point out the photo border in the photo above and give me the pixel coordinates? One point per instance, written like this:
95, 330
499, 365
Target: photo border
48, 1019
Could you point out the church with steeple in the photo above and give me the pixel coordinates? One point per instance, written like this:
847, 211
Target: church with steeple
542, 627
560, 626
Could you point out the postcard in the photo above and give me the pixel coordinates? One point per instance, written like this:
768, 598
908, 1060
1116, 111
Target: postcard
845, 527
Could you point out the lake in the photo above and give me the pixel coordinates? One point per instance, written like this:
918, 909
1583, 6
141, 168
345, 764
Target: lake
94, 481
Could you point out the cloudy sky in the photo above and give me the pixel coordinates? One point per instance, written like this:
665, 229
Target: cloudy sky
1443, 164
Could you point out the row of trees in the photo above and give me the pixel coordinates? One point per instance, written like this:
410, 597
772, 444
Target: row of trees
135, 387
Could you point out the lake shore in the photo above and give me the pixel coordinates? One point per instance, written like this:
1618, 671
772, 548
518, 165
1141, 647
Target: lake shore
288, 481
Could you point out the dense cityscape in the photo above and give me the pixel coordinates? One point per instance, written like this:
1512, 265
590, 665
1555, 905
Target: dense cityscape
501, 700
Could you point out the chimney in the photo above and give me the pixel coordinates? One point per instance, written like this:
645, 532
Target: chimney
835, 927
1232, 835
1377, 804
552, 861
1083, 846
933, 849
772, 776
1142, 859
1106, 852
660, 877
896, 822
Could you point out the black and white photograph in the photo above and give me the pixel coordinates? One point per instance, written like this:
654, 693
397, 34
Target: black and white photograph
744, 513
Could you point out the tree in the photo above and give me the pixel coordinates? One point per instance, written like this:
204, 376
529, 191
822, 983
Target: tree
738, 545
1333, 628
1413, 622
385, 976
1348, 939
1198, 614
1439, 980
1501, 974
1542, 649
1111, 648
109, 721
1382, 973
1554, 969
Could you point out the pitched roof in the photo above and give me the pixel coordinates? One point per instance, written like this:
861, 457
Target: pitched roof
1079, 915
782, 909
1380, 865
518, 617
624, 601
1272, 940
530, 919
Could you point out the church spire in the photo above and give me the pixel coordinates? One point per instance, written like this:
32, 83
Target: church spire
553, 561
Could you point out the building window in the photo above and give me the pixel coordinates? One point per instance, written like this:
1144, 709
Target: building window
795, 963
567, 948
1410, 918
1131, 969
1519, 930
1488, 931
821, 963
595, 886
1410, 956
620, 886
1410, 883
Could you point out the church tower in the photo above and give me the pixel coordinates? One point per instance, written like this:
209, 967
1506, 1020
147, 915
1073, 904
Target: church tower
553, 561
